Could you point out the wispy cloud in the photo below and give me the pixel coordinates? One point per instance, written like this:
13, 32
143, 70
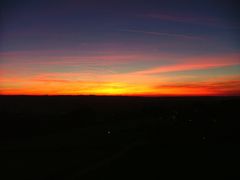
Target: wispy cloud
221, 86
102, 58
196, 63
181, 18
155, 33
210, 21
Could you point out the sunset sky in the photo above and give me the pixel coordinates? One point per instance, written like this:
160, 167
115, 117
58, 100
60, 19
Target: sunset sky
134, 47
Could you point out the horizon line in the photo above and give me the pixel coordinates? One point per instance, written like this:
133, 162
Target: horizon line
92, 95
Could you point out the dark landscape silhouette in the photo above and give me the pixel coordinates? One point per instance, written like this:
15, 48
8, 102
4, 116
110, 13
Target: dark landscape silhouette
114, 137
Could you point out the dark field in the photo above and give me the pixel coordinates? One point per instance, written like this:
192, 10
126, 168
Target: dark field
88, 137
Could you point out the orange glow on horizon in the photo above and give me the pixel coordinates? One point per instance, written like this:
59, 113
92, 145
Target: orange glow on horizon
157, 80
122, 89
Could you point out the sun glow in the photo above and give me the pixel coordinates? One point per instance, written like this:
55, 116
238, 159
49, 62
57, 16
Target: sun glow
118, 88
168, 81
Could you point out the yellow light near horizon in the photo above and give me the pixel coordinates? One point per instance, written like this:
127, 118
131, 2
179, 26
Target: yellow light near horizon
112, 89
109, 88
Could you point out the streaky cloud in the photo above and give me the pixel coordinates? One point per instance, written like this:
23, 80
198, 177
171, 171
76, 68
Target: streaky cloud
155, 33
207, 20
196, 63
